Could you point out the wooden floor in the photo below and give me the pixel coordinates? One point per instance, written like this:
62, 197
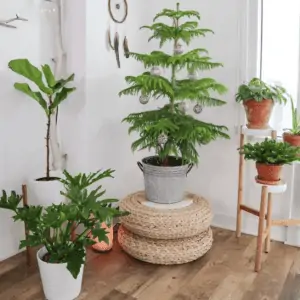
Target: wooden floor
225, 273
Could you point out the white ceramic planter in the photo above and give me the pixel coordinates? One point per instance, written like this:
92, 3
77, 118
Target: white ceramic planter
45, 193
57, 281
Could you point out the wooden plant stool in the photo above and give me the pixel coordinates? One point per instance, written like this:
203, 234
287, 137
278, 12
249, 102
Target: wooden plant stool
264, 228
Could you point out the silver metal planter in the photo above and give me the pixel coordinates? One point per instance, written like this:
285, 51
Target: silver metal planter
165, 185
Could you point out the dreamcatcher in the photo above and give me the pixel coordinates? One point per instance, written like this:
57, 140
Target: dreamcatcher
118, 12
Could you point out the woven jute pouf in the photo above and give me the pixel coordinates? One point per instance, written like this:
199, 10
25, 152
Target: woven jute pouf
166, 223
165, 252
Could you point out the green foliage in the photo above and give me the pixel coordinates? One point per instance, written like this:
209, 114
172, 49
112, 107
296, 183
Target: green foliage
52, 226
54, 90
184, 133
271, 152
258, 90
295, 130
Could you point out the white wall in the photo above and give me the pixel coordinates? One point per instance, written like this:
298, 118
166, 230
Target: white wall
92, 132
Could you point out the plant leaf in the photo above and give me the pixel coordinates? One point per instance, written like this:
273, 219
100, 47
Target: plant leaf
49, 75
26, 69
62, 82
61, 96
37, 96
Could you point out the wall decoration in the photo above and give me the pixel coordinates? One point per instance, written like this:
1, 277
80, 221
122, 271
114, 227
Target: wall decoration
118, 8
114, 9
6, 23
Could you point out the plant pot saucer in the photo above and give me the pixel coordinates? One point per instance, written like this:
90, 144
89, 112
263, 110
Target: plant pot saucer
275, 188
267, 182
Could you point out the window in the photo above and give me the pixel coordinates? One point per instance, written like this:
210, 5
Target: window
280, 52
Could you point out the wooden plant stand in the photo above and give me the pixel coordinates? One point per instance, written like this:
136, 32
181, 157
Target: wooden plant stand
29, 250
264, 230
244, 132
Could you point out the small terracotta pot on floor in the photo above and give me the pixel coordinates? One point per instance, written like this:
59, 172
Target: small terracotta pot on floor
292, 139
268, 174
258, 113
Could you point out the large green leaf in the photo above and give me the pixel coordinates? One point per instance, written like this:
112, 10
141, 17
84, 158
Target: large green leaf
37, 96
26, 69
61, 96
49, 75
62, 82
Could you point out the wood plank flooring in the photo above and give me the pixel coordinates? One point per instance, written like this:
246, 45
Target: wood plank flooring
225, 273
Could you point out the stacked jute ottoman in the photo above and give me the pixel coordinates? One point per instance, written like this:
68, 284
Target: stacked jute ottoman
165, 234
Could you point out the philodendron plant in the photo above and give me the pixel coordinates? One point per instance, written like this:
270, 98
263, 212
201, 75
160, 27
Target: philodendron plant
51, 93
52, 227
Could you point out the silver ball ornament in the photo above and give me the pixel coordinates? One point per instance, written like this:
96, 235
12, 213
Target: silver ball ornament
156, 71
178, 49
162, 139
144, 99
183, 106
197, 109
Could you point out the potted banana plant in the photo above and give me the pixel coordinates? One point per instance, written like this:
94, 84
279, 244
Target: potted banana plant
50, 94
292, 135
270, 156
61, 256
258, 99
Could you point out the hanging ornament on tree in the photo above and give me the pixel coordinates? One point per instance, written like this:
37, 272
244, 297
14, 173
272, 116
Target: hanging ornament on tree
144, 99
183, 106
197, 109
162, 139
178, 49
193, 76
156, 71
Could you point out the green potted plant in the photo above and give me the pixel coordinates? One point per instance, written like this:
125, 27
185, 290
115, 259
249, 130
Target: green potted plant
61, 258
169, 130
292, 135
270, 156
51, 93
258, 99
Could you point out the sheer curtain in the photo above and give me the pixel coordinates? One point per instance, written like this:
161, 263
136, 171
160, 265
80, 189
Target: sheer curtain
280, 52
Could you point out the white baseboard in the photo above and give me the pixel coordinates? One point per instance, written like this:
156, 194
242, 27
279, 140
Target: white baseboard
250, 226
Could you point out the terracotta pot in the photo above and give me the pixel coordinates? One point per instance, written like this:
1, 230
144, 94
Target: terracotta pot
258, 113
268, 174
292, 139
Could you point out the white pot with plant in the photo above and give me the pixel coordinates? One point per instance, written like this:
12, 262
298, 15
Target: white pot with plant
51, 93
61, 258
169, 130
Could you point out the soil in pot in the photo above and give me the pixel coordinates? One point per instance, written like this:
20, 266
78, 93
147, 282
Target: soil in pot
292, 139
268, 174
258, 113
170, 161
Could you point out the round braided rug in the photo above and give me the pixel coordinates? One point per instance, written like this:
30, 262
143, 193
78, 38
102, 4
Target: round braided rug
165, 252
164, 224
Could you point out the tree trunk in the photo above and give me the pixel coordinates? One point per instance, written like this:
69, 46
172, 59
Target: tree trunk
58, 160
48, 147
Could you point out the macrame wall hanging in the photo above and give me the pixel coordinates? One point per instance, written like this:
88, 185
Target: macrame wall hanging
118, 12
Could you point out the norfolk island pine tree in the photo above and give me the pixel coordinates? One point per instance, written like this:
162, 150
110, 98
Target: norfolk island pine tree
169, 130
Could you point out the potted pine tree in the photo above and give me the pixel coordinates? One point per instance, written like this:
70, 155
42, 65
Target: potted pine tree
51, 93
61, 257
292, 135
258, 99
170, 130
270, 156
